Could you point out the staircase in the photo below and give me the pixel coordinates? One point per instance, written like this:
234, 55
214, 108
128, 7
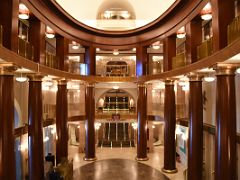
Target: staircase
116, 134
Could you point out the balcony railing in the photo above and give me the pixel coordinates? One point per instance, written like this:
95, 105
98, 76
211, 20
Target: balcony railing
234, 30
205, 49
49, 111
115, 70
25, 49
50, 60
179, 61
1, 34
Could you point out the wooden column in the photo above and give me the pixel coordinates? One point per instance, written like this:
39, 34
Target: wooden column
169, 129
9, 21
61, 121
90, 60
37, 39
193, 39
61, 51
89, 125
142, 123
169, 51
141, 60
35, 129
223, 14
7, 141
225, 139
195, 143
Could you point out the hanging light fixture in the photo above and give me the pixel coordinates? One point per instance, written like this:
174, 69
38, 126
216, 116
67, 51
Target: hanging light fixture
23, 12
115, 52
181, 33
49, 33
206, 13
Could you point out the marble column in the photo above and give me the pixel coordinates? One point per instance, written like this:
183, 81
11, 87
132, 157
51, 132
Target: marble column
35, 129
169, 128
61, 121
142, 123
195, 143
225, 139
89, 124
7, 154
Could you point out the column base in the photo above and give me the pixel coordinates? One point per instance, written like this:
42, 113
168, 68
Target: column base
141, 159
169, 171
89, 159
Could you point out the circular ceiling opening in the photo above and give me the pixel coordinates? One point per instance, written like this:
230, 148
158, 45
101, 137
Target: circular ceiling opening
115, 15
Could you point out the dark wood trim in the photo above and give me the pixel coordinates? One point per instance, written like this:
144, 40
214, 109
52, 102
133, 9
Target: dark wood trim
20, 131
77, 118
49, 14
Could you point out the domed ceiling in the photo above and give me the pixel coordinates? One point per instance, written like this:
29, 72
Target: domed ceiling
115, 15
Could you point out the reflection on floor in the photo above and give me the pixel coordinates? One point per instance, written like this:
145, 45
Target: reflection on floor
155, 161
118, 169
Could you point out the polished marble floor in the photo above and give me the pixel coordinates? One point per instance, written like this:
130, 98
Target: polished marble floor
120, 164
117, 169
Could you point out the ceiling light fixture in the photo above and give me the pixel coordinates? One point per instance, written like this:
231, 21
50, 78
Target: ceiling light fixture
115, 52
206, 13
155, 46
75, 45
209, 78
21, 78
97, 49
49, 33
115, 87
181, 33
23, 12
238, 71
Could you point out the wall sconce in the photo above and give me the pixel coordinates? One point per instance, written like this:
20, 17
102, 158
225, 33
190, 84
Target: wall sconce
181, 33
206, 13
49, 33
97, 125
134, 125
23, 12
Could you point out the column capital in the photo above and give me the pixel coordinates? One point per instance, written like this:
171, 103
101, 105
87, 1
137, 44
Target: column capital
142, 85
90, 85
225, 69
195, 77
35, 77
169, 82
62, 82
7, 69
